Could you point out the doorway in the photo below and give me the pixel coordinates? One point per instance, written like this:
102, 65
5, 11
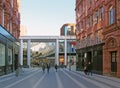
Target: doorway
114, 61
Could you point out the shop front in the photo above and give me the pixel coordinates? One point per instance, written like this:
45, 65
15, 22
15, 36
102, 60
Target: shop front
91, 54
8, 52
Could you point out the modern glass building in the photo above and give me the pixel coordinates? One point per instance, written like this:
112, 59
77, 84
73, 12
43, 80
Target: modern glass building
8, 52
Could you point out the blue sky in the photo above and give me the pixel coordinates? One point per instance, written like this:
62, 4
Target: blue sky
46, 17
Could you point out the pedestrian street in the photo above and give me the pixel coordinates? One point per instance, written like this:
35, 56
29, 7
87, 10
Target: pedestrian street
63, 78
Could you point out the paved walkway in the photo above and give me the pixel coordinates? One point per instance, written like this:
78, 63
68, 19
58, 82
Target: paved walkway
63, 78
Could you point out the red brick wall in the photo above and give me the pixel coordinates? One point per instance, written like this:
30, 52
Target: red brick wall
11, 14
107, 32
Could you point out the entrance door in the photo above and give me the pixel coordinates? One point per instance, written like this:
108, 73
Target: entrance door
89, 56
114, 61
16, 61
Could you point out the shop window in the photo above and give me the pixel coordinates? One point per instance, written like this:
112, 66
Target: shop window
9, 56
2, 55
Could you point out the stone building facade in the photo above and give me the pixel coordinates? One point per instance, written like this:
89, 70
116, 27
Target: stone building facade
98, 35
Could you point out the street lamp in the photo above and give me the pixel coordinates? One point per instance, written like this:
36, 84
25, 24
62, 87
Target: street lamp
70, 60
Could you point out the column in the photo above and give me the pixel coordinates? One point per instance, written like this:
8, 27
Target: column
57, 52
21, 52
65, 52
28, 52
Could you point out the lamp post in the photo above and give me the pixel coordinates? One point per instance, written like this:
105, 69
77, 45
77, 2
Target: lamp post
70, 61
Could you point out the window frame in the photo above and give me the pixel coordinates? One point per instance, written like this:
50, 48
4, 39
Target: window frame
111, 15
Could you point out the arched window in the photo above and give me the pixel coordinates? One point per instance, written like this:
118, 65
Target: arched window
111, 16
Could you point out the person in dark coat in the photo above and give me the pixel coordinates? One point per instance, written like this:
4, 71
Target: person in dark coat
85, 68
89, 67
56, 67
48, 67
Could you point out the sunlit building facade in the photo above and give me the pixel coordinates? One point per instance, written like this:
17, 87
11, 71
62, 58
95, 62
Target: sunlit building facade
9, 34
68, 29
23, 30
98, 35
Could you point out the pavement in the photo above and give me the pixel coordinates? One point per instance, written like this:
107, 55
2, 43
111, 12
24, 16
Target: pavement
63, 78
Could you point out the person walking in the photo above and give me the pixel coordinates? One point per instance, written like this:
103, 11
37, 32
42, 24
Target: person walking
43, 67
48, 67
56, 67
85, 68
89, 67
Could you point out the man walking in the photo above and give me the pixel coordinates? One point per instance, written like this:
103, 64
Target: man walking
89, 67
56, 67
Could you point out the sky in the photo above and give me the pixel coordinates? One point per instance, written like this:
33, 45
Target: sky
46, 17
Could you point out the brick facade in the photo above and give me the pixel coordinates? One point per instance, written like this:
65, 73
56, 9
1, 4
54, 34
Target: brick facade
10, 14
98, 34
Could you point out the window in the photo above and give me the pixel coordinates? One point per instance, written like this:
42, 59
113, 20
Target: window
9, 56
82, 26
82, 7
88, 40
11, 26
89, 21
12, 3
101, 13
90, 3
111, 16
3, 17
97, 37
2, 55
113, 56
8, 26
91, 39
96, 16
92, 19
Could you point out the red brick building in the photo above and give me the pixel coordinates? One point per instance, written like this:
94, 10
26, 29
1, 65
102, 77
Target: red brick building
98, 35
10, 16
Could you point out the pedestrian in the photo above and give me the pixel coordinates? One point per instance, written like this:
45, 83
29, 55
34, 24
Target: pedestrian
85, 70
43, 67
48, 67
56, 67
89, 67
